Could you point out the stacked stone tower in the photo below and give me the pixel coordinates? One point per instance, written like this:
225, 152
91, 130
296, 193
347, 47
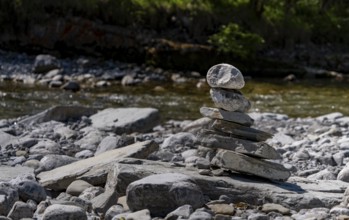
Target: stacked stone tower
239, 147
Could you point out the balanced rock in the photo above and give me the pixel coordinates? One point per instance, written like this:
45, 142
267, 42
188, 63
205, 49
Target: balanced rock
245, 164
217, 113
230, 100
213, 139
225, 76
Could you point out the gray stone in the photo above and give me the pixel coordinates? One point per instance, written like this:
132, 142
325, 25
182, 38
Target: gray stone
114, 142
44, 147
40, 209
126, 120
77, 187
113, 211
20, 210
64, 212
272, 207
245, 164
338, 158
84, 154
163, 193
65, 132
8, 197
8, 173
95, 169
34, 164
217, 113
92, 192
240, 131
201, 214
44, 63
5, 138
315, 213
59, 113
225, 76
53, 161
183, 211
196, 125
297, 192
91, 139
141, 214
213, 139
337, 210
325, 174
258, 216
31, 190
71, 86
330, 117
344, 174
104, 201
179, 142
230, 100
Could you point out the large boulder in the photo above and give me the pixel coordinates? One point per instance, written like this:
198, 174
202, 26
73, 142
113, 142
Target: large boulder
163, 193
126, 120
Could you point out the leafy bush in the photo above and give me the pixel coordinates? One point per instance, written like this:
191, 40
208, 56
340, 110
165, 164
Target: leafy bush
231, 39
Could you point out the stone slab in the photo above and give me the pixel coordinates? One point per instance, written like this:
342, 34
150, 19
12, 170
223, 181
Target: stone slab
93, 169
240, 131
245, 164
218, 113
214, 139
59, 113
8, 173
296, 193
126, 120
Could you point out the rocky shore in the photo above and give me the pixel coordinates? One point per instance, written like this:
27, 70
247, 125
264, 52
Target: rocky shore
76, 162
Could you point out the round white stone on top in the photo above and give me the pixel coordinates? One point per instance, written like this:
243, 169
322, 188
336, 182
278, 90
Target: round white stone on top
225, 76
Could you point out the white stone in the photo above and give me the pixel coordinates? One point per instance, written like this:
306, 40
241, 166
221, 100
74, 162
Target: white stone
225, 76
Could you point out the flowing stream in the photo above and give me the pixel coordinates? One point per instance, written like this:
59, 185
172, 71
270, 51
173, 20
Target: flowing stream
182, 101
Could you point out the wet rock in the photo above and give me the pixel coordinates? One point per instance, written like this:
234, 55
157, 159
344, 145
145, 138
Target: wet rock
163, 193
241, 163
71, 86
217, 113
44, 63
230, 100
225, 76
63, 212
126, 120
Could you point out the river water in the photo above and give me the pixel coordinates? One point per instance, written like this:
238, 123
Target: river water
182, 101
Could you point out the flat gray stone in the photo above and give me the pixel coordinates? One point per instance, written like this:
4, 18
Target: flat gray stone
245, 164
126, 120
8, 173
5, 138
59, 113
63, 212
93, 170
163, 193
240, 131
297, 193
225, 76
21, 210
214, 139
230, 100
217, 113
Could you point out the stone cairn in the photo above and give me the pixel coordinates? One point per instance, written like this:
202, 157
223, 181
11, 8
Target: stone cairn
239, 147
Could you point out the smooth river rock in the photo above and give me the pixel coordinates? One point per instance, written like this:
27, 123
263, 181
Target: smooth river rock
225, 76
245, 164
230, 100
217, 113
126, 120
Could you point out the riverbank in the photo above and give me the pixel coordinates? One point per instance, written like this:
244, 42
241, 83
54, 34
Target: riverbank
65, 154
